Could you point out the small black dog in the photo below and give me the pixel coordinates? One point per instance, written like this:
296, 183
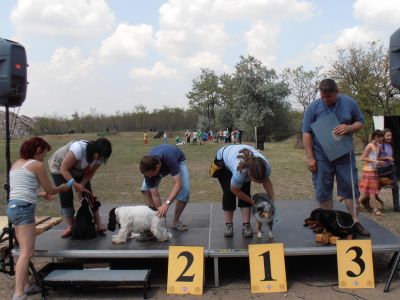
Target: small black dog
84, 227
336, 222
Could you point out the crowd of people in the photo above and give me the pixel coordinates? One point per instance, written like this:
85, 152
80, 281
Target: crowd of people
75, 164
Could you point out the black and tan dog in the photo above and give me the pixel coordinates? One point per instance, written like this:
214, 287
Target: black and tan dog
264, 212
331, 222
84, 227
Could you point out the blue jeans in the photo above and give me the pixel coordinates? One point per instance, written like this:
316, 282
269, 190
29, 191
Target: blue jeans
184, 193
323, 180
21, 212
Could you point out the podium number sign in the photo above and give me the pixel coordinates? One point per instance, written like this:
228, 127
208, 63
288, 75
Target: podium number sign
185, 270
355, 266
267, 268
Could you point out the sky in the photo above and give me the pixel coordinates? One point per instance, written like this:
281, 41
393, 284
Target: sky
109, 57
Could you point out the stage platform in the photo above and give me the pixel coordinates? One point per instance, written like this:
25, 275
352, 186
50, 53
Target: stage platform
206, 227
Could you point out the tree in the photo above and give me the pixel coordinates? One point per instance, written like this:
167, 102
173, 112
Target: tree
260, 99
303, 84
303, 87
361, 71
204, 96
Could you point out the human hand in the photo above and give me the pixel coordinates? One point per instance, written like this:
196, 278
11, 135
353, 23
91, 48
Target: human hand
46, 196
162, 210
80, 188
312, 165
342, 129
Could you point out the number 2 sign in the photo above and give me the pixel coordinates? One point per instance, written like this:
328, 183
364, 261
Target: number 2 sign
355, 266
185, 270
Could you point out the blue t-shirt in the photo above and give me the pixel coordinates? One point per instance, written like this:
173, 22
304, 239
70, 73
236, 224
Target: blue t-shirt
346, 111
170, 156
230, 155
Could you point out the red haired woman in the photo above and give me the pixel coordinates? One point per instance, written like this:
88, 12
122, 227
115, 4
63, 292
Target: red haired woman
27, 175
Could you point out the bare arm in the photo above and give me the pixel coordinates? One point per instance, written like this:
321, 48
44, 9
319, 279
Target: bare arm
44, 180
347, 129
308, 147
267, 184
242, 196
68, 162
162, 210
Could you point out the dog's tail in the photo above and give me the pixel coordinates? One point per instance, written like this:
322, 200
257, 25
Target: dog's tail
112, 220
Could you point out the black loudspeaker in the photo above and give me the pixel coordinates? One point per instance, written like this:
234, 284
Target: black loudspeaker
394, 58
13, 67
260, 137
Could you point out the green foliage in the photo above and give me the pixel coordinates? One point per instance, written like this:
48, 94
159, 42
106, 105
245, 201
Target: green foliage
362, 72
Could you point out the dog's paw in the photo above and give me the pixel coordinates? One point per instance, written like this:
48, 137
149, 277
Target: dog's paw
118, 241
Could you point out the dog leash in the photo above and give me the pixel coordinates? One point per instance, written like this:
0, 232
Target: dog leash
340, 225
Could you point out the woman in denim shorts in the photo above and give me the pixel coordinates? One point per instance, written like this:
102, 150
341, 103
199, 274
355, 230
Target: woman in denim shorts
27, 175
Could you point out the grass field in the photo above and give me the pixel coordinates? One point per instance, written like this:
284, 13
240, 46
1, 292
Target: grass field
119, 180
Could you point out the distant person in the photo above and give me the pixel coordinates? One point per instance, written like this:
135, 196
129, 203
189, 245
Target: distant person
369, 184
388, 169
159, 162
187, 136
165, 138
145, 138
195, 137
27, 175
77, 162
243, 164
324, 171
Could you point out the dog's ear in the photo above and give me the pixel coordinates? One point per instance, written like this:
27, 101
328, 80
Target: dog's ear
112, 220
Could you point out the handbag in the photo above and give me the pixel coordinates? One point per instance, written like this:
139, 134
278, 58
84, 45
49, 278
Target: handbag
385, 171
216, 165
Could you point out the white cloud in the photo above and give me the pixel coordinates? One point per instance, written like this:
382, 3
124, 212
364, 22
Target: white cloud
59, 18
262, 41
382, 14
127, 41
158, 70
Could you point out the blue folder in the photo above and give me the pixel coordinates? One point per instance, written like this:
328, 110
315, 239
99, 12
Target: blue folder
333, 145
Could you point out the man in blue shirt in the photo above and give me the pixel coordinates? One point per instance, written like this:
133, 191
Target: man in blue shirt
324, 171
163, 160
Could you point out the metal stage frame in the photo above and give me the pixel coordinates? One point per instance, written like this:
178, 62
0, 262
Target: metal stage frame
206, 226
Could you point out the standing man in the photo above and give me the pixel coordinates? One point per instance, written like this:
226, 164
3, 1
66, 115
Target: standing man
163, 160
323, 171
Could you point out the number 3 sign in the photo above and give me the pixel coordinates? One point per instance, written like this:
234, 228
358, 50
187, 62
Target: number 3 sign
355, 266
185, 270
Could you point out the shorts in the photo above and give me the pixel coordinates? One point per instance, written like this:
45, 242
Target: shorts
184, 193
323, 180
21, 212
369, 182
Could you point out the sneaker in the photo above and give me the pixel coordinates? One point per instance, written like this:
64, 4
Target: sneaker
23, 297
180, 227
361, 230
247, 231
32, 290
228, 230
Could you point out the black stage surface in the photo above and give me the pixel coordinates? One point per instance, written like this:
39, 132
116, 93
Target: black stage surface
206, 226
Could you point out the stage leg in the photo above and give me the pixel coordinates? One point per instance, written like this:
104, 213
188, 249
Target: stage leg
395, 266
216, 272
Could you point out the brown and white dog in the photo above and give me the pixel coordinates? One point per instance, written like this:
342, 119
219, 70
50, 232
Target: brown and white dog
264, 212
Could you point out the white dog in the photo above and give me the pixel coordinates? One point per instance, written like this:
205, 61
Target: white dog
136, 219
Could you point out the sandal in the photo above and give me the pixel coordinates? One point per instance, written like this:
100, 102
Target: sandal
180, 227
32, 290
66, 233
101, 229
377, 213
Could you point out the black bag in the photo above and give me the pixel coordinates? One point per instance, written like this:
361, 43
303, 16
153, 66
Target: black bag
217, 165
385, 171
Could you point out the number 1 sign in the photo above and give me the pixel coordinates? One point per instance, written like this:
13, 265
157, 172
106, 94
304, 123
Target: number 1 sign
185, 270
267, 268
